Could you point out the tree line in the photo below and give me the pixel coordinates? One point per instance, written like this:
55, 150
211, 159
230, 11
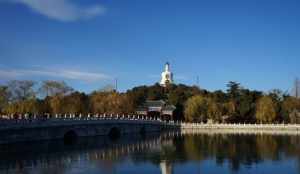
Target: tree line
235, 105
54, 97
241, 105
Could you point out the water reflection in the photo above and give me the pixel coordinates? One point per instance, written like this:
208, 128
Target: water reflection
158, 153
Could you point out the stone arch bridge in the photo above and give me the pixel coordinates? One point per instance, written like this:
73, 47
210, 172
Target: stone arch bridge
12, 131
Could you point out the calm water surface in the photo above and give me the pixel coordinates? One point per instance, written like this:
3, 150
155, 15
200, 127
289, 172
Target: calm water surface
166, 154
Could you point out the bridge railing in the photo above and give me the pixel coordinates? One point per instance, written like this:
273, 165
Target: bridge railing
20, 120
6, 121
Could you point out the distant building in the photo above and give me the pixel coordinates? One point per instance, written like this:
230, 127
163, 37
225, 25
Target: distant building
156, 109
166, 76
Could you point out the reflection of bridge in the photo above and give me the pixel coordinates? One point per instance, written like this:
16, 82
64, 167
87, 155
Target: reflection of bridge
49, 154
18, 130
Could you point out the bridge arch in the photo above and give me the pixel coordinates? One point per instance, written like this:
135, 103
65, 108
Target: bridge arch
70, 136
114, 133
142, 130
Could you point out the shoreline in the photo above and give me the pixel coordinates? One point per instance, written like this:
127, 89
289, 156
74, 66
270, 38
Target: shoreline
274, 129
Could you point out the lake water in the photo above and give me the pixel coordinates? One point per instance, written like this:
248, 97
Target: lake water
157, 153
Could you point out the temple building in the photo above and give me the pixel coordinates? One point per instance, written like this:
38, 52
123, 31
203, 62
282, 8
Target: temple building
157, 109
166, 76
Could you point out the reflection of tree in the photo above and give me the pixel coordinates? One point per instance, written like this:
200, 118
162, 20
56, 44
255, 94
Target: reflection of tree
267, 147
192, 148
236, 150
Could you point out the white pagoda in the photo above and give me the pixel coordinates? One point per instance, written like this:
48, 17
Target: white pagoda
166, 76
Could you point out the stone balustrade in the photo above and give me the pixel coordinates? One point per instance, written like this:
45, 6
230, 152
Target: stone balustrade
9, 120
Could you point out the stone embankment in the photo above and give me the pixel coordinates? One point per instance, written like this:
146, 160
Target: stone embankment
239, 128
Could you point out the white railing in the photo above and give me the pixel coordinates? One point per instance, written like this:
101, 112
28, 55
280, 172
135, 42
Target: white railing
6, 121
9, 120
239, 126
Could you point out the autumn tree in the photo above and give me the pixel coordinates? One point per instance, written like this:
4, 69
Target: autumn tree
214, 110
21, 90
75, 103
4, 97
196, 108
177, 95
11, 108
290, 105
56, 100
44, 105
110, 102
51, 88
56, 104
21, 97
230, 108
138, 95
29, 106
265, 110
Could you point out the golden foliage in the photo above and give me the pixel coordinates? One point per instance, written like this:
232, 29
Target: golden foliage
265, 110
196, 108
110, 102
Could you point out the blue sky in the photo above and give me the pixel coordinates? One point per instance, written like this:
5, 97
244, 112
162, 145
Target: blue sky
89, 43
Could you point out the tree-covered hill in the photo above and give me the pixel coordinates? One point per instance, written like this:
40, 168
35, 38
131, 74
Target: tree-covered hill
236, 104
